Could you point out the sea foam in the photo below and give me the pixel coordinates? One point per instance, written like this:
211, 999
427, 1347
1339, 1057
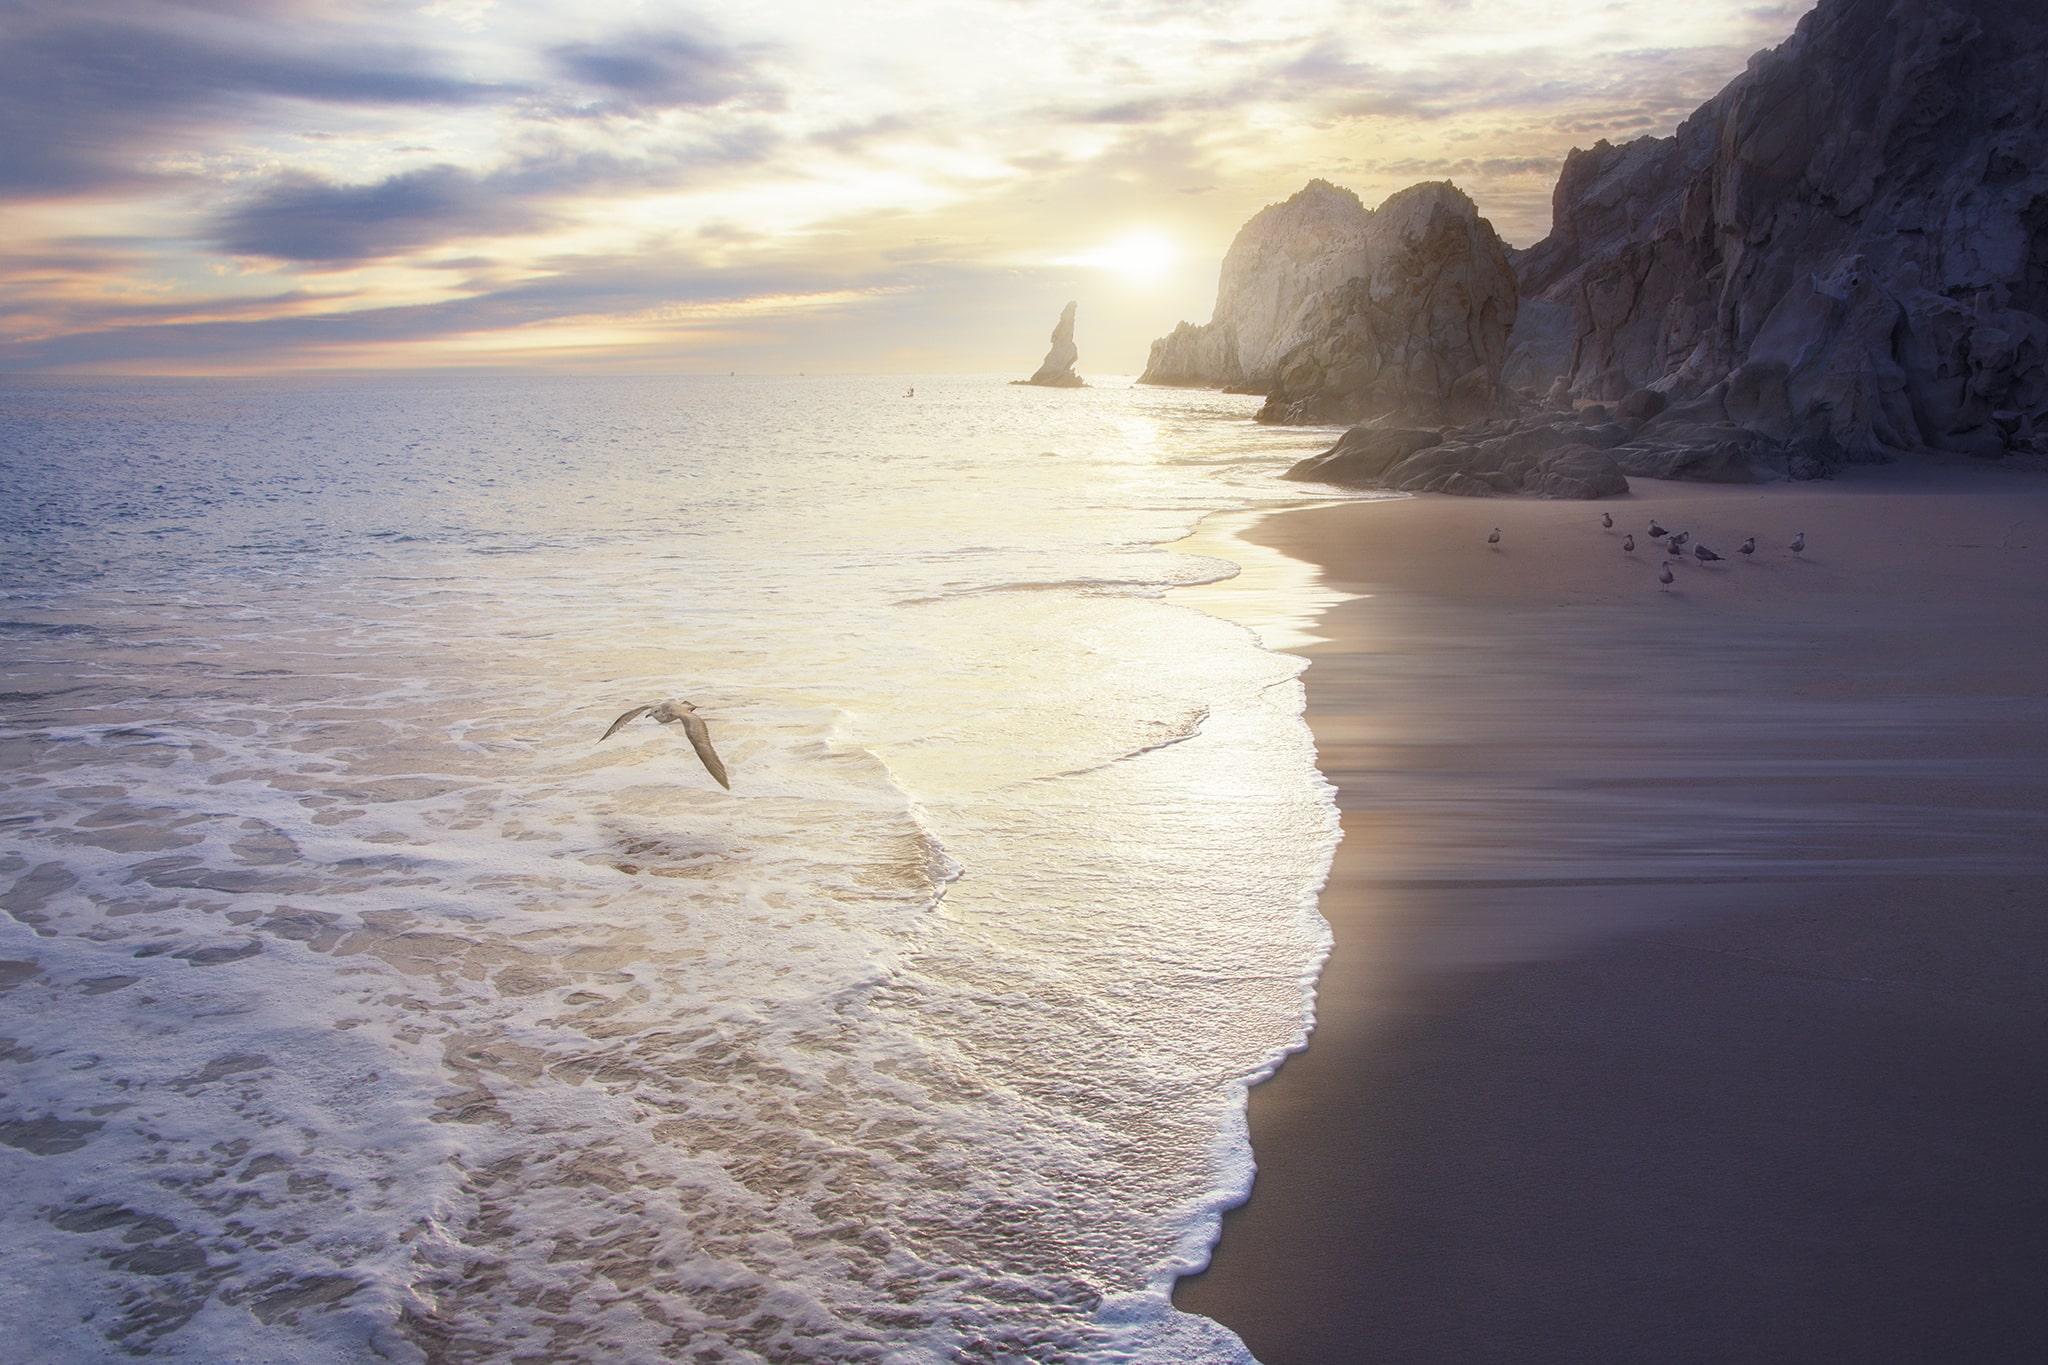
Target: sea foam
358, 1003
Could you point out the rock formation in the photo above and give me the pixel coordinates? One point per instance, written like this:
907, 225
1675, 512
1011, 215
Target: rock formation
1420, 333
1561, 460
1277, 269
1058, 370
1337, 312
1844, 254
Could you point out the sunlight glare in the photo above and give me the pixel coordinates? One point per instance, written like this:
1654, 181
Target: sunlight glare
1142, 257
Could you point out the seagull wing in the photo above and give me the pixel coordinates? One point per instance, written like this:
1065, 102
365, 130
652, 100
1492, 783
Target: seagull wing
700, 740
623, 721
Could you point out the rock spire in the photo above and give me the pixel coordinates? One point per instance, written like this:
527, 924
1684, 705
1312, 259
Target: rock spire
1058, 370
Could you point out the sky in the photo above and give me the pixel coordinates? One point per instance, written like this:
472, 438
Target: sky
198, 187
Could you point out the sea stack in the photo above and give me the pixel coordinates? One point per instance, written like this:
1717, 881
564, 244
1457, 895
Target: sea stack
1337, 312
1288, 256
1058, 370
1419, 334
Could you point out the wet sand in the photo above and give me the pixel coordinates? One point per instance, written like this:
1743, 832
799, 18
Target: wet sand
1689, 999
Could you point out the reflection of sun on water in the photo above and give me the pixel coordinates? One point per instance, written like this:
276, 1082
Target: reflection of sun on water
1142, 257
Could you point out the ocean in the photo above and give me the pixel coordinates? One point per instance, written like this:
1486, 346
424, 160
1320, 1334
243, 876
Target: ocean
357, 1003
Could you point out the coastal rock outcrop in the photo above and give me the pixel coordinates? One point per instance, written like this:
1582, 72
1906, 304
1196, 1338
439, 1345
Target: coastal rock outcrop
1058, 370
1278, 267
1560, 460
1843, 255
1338, 313
1421, 332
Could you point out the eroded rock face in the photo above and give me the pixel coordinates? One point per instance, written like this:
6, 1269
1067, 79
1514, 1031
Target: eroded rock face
1058, 370
1845, 251
1338, 313
1280, 264
1422, 333
1561, 459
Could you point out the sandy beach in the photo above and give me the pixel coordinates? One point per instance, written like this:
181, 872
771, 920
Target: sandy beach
1687, 1000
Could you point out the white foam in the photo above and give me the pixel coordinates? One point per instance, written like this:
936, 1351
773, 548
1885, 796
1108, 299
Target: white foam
451, 1026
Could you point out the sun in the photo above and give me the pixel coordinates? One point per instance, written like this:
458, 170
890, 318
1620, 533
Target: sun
1142, 257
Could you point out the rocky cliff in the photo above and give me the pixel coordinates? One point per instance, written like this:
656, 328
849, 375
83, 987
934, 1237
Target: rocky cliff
1421, 332
1278, 268
1845, 251
1337, 312
1057, 371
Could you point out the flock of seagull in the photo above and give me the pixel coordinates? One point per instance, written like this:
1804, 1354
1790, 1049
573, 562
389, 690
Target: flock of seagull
1675, 543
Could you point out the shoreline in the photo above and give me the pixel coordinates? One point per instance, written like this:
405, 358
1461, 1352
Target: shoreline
1686, 998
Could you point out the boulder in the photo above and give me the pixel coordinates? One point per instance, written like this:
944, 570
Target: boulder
1551, 461
1576, 471
1363, 454
1725, 461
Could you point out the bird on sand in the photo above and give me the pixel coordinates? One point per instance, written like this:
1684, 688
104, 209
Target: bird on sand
674, 713
1799, 543
1703, 554
1494, 539
1747, 547
1607, 520
1664, 575
1678, 541
1656, 530
1628, 542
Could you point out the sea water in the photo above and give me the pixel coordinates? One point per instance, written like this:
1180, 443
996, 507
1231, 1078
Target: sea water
358, 1003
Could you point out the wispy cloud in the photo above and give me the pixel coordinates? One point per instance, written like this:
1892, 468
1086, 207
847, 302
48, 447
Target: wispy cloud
88, 88
300, 217
641, 72
246, 182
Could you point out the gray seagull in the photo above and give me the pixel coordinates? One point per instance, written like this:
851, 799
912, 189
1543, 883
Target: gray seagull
1703, 554
1664, 574
1628, 542
1747, 547
1678, 540
674, 713
1494, 539
1655, 530
1799, 543
1607, 520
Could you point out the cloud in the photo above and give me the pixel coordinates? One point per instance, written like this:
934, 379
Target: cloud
643, 72
313, 220
1317, 77
627, 288
88, 89
303, 218
860, 148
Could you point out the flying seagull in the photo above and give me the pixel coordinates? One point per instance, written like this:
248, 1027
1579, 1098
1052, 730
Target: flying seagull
1607, 520
1678, 541
671, 713
1656, 530
1494, 539
1799, 543
1703, 554
1664, 575
1747, 547
1628, 542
